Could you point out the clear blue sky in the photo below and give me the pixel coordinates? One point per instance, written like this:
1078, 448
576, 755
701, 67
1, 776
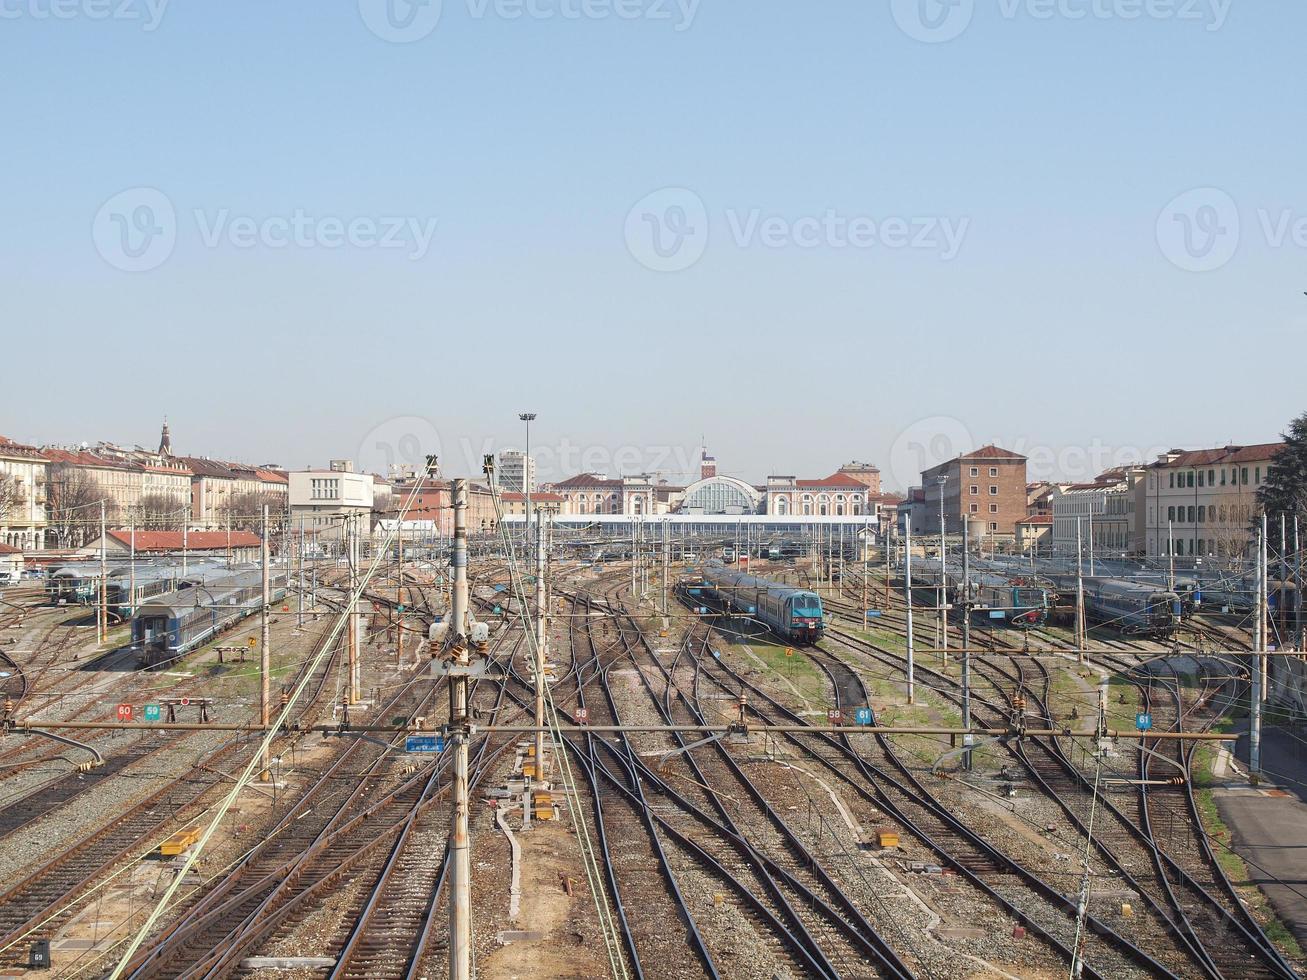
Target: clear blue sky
1055, 143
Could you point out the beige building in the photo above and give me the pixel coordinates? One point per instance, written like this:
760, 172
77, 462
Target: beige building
1202, 503
1034, 534
323, 501
1103, 512
223, 492
23, 474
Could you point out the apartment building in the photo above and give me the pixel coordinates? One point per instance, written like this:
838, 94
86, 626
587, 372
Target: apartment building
23, 474
1203, 503
986, 485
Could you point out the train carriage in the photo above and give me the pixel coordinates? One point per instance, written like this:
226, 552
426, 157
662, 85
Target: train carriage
795, 615
178, 622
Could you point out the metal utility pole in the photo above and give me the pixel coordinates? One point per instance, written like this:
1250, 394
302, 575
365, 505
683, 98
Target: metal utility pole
966, 641
399, 600
634, 552
943, 574
131, 566
299, 617
102, 618
1284, 580
265, 662
186, 543
460, 904
1170, 555
542, 642
907, 591
1091, 538
352, 559
1080, 600
1259, 648
667, 570
528, 418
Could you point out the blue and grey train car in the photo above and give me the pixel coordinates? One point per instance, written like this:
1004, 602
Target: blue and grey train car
75, 584
175, 623
794, 615
1136, 608
152, 580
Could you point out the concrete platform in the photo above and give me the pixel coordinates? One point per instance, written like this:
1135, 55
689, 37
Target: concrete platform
1269, 822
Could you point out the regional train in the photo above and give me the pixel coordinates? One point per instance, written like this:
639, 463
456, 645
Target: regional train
1135, 608
794, 615
175, 623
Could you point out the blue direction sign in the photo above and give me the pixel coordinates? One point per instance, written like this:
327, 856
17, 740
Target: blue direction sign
400, 607
1143, 721
862, 716
873, 614
151, 712
424, 743
501, 587
997, 614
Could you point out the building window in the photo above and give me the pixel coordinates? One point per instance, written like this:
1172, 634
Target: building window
993, 471
1200, 478
1202, 546
975, 508
1189, 479
975, 471
993, 490
975, 490
1172, 476
1191, 514
1211, 478
993, 525
1243, 475
993, 508
1222, 476
1170, 513
1257, 476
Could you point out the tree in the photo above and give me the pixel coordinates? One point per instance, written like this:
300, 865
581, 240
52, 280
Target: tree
244, 511
11, 495
1285, 489
70, 501
160, 512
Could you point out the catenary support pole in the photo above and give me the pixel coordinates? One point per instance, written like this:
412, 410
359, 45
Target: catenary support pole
265, 661
1080, 601
1259, 647
966, 639
460, 905
102, 617
907, 592
542, 645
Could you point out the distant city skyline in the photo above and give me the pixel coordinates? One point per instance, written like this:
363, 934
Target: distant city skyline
406, 440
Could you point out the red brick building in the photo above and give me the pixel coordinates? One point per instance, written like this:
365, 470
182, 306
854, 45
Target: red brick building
988, 485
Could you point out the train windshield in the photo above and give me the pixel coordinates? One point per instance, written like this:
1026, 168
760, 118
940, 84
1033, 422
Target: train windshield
806, 605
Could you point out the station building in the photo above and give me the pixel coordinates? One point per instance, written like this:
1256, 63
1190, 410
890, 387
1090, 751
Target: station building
24, 471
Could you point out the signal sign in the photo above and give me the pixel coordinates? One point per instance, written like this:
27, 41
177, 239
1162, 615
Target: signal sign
834, 715
1143, 721
789, 651
424, 743
252, 642
124, 712
862, 716
185, 701
582, 715
151, 712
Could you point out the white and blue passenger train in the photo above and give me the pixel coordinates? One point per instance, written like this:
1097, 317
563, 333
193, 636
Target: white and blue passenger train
794, 615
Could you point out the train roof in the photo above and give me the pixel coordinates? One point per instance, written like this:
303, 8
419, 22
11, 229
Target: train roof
211, 593
721, 575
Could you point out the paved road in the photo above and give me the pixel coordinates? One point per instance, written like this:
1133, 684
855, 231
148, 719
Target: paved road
1270, 824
